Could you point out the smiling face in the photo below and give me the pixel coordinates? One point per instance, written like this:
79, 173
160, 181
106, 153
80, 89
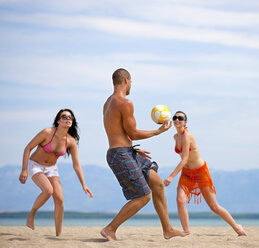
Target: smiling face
179, 120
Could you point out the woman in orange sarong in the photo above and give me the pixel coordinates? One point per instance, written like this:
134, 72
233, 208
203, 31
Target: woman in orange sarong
195, 178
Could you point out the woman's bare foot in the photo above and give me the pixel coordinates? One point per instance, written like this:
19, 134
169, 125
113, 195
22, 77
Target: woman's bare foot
187, 232
108, 234
30, 220
173, 233
240, 231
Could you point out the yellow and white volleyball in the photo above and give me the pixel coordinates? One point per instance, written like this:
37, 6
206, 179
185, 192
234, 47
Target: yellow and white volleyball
160, 114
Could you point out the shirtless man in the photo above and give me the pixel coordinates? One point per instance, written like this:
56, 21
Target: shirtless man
132, 168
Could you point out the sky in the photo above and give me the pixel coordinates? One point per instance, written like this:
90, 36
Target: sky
201, 57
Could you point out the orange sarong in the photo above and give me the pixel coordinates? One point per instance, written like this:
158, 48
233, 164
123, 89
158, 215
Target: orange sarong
192, 181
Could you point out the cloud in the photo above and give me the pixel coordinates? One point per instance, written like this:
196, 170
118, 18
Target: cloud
79, 72
177, 13
137, 29
52, 71
116, 7
191, 13
18, 116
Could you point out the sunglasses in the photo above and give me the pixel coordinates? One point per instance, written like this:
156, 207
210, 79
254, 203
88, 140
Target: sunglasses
180, 118
67, 117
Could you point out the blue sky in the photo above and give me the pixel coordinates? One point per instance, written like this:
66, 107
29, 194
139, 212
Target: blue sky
201, 57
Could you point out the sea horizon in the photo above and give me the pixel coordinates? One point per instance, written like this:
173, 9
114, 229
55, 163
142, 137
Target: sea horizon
75, 218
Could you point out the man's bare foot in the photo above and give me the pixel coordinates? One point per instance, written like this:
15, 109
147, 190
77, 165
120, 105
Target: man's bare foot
173, 233
30, 220
108, 234
241, 231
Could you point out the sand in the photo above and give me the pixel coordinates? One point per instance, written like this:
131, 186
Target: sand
201, 237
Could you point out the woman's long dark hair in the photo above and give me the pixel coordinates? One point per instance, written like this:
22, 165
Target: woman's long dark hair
73, 130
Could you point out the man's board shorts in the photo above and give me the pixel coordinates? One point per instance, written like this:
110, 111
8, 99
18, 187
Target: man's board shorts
192, 181
131, 170
49, 171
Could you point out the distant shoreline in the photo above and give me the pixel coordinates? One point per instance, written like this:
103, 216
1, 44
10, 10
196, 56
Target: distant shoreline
99, 215
72, 218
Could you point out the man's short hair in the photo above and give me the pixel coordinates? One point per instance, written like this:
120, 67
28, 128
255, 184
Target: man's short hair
119, 75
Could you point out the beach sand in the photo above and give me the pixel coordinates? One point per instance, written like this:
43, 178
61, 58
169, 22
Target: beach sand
201, 237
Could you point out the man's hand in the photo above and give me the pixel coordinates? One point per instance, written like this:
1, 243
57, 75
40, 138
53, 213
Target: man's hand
144, 154
166, 125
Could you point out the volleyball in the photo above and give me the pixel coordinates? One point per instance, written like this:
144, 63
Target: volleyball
160, 114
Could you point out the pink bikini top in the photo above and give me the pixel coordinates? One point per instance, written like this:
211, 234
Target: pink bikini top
48, 148
181, 147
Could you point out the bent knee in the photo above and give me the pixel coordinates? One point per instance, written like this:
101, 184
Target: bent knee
181, 200
158, 188
214, 208
48, 191
146, 198
58, 199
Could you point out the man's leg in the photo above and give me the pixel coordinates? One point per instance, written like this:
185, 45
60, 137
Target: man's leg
158, 194
127, 211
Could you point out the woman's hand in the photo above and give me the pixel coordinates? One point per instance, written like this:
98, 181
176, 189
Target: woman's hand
88, 191
168, 180
23, 176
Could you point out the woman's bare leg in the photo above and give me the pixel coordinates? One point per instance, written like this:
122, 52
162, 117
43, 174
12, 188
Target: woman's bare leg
43, 183
58, 201
182, 209
210, 198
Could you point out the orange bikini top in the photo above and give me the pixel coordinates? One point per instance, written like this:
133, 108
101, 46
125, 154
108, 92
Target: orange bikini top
181, 147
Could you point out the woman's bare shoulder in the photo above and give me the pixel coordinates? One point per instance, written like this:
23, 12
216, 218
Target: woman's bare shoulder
188, 134
71, 141
47, 130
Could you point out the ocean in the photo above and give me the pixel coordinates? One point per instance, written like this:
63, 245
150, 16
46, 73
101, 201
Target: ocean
46, 218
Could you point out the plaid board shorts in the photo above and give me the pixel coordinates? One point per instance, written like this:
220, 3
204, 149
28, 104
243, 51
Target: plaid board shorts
131, 171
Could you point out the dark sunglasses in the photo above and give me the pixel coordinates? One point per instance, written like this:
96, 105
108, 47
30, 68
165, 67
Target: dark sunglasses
67, 117
180, 118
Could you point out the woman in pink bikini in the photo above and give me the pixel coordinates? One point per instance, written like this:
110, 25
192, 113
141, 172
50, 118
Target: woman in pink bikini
41, 166
195, 178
